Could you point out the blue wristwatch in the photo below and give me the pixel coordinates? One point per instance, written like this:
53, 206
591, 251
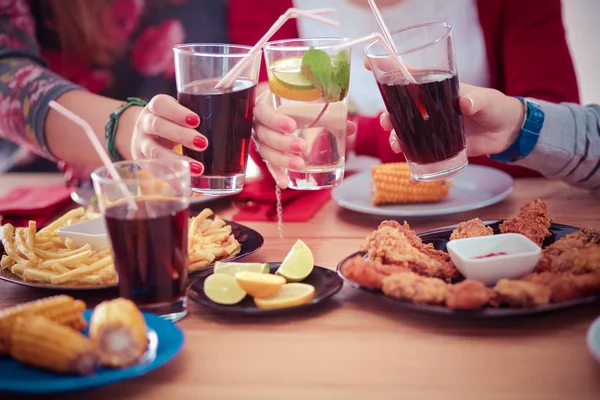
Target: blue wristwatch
528, 135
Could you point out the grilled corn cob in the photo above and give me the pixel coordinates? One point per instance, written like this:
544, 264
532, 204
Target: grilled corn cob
41, 343
118, 329
390, 186
61, 309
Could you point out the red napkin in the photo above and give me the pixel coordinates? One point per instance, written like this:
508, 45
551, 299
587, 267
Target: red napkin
257, 202
38, 203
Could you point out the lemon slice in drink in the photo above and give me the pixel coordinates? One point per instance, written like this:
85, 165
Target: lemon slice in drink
259, 285
298, 264
231, 268
291, 294
287, 81
223, 289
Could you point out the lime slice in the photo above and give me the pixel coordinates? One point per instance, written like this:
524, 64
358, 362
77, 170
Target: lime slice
223, 289
231, 268
288, 73
298, 264
259, 285
291, 294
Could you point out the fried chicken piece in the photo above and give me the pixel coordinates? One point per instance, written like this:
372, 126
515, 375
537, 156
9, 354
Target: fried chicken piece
520, 293
567, 286
368, 274
572, 242
418, 289
533, 221
471, 228
469, 295
577, 261
395, 244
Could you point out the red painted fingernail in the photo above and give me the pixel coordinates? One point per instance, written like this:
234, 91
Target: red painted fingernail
196, 168
200, 142
62, 166
192, 120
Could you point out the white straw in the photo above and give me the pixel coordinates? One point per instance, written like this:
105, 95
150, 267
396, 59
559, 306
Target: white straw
230, 78
388, 38
388, 48
99, 149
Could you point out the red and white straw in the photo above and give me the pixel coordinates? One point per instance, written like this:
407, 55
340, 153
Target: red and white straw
315, 14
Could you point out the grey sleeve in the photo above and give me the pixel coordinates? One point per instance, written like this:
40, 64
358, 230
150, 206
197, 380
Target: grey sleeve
569, 144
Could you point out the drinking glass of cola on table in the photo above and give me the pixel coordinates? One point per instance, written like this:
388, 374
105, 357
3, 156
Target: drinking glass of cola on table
226, 113
309, 81
149, 242
424, 111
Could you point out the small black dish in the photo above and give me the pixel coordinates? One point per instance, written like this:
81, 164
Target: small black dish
439, 238
250, 240
326, 282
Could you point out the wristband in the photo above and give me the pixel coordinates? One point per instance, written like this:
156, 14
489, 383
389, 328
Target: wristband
111, 127
528, 134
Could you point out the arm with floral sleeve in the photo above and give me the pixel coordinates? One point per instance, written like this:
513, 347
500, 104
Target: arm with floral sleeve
27, 86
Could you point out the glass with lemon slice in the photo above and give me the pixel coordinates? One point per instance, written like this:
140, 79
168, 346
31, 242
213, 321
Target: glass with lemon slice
309, 79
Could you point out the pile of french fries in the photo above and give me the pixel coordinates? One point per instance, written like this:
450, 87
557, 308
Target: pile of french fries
210, 240
41, 256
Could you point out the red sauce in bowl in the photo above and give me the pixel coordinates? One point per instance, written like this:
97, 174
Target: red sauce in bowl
500, 253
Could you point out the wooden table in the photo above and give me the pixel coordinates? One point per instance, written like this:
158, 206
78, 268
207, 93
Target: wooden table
359, 347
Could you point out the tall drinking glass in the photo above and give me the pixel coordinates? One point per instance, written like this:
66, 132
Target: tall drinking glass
425, 114
225, 114
309, 80
150, 244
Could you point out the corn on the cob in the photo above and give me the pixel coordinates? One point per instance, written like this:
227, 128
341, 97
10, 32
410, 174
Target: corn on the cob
41, 343
390, 186
62, 309
119, 331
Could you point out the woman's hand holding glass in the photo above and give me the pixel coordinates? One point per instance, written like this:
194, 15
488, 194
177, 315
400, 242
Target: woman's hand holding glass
274, 140
164, 124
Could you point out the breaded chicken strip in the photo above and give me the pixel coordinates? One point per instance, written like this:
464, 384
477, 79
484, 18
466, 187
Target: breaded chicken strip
419, 289
566, 286
533, 221
519, 293
368, 274
469, 295
471, 228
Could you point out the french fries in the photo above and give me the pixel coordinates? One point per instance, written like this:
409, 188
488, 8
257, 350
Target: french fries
209, 240
43, 257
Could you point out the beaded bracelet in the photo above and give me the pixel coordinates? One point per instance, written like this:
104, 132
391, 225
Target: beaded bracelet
112, 125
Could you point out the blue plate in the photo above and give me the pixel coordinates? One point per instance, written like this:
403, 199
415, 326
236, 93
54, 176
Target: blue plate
165, 338
593, 339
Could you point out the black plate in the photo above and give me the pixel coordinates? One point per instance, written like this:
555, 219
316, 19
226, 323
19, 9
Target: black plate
439, 238
249, 239
325, 281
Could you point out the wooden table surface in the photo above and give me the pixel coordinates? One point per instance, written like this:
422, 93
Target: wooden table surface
359, 347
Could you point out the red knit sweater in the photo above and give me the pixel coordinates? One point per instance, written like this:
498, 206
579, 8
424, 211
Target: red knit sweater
526, 49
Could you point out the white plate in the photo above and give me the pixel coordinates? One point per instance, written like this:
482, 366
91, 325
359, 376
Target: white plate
205, 199
593, 339
476, 187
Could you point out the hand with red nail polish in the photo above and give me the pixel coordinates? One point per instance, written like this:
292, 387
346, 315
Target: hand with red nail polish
163, 125
277, 144
492, 120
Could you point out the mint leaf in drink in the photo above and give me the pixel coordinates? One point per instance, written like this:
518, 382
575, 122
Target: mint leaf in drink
341, 73
316, 67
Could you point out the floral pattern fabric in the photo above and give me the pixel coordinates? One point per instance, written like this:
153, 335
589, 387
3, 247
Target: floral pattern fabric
34, 69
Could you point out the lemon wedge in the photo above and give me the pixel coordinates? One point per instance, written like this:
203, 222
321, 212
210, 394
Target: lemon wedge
297, 264
231, 268
259, 285
223, 289
291, 294
286, 81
